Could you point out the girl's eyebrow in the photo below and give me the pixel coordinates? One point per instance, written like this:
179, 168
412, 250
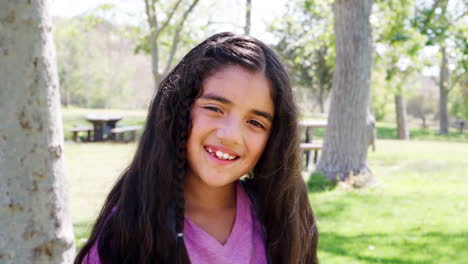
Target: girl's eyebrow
262, 114
229, 102
216, 98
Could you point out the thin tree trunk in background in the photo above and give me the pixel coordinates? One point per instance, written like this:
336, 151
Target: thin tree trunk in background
157, 27
35, 226
424, 122
371, 124
401, 117
150, 7
88, 81
248, 8
176, 37
443, 90
321, 99
346, 138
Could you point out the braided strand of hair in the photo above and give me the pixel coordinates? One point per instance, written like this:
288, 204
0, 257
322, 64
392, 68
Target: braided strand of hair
181, 165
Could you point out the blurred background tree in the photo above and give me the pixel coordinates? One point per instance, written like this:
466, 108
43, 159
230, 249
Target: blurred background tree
305, 42
97, 66
397, 53
169, 18
445, 25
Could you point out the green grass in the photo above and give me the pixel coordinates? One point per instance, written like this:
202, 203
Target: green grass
388, 131
92, 169
416, 214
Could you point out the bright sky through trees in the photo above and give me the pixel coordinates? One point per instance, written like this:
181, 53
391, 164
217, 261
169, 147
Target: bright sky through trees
229, 15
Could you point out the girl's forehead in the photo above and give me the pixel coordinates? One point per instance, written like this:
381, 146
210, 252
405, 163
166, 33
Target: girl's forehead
240, 87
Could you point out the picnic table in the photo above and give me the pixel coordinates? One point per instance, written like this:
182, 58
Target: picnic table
103, 124
308, 145
119, 133
78, 129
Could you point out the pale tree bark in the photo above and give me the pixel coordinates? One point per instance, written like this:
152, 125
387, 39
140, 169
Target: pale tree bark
248, 7
401, 117
323, 76
157, 27
347, 136
443, 93
35, 226
321, 99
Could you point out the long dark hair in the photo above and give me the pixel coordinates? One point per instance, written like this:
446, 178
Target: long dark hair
145, 209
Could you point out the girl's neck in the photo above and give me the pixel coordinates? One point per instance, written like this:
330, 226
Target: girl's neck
199, 196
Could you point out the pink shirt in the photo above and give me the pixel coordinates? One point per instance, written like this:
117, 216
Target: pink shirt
244, 244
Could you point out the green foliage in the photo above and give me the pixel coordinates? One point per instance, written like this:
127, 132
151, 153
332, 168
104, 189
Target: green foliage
192, 32
306, 44
398, 54
459, 102
398, 43
90, 51
381, 97
444, 23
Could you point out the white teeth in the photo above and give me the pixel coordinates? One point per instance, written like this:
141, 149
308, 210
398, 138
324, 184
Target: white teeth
221, 155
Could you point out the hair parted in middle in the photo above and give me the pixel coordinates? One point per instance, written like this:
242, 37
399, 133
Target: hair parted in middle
136, 224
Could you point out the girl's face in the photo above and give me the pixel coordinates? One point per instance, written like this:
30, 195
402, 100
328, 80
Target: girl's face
231, 122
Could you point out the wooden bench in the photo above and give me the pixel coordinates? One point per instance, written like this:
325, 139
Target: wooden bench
77, 129
307, 147
119, 133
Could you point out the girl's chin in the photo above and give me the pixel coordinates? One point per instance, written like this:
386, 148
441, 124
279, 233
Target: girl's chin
215, 180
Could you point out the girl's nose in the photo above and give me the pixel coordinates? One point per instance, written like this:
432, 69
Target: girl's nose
229, 131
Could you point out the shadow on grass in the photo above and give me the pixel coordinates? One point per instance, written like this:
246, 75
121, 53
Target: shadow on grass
319, 183
403, 248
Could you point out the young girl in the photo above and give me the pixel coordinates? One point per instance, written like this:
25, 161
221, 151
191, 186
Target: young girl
216, 176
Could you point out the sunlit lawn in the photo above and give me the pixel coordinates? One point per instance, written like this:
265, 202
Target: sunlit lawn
92, 168
417, 213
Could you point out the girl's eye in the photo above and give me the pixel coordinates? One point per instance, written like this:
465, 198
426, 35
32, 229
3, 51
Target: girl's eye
213, 108
257, 124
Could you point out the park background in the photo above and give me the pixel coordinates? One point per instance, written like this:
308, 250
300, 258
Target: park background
415, 209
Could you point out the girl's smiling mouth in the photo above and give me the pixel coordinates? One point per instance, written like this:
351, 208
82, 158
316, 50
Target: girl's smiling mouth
221, 154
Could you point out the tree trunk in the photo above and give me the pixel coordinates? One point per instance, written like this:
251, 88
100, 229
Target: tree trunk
155, 60
401, 117
35, 226
321, 100
443, 88
424, 122
346, 139
248, 8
